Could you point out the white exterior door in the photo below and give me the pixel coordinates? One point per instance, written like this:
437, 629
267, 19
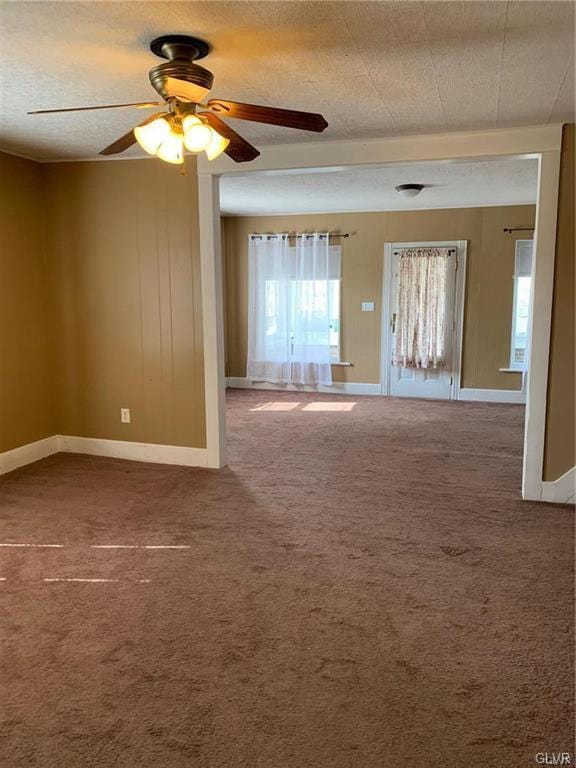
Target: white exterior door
435, 383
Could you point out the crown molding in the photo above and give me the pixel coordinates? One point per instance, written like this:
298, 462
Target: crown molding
536, 137
324, 212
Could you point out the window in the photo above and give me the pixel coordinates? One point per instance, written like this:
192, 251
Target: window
334, 288
312, 298
521, 305
293, 308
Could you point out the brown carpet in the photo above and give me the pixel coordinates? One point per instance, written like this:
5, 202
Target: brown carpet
360, 589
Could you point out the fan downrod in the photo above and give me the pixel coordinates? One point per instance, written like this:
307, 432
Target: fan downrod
174, 47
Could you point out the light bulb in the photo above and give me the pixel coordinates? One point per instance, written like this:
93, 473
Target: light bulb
216, 146
189, 120
171, 149
150, 136
197, 136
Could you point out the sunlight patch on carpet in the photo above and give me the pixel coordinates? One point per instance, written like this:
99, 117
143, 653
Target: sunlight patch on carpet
329, 406
277, 406
49, 546
139, 546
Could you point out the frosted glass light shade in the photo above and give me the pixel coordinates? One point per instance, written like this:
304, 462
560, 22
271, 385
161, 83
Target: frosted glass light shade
197, 136
189, 120
216, 146
171, 150
150, 136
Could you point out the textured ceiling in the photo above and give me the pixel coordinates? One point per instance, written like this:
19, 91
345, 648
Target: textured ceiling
449, 185
373, 68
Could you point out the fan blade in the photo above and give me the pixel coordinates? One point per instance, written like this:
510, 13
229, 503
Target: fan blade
138, 104
128, 139
240, 150
305, 121
120, 144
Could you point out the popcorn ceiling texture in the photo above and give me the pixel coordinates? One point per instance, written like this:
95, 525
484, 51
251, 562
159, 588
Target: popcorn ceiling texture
448, 185
372, 68
363, 588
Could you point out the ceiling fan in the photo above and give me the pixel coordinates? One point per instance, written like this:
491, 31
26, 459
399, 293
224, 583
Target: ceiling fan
188, 123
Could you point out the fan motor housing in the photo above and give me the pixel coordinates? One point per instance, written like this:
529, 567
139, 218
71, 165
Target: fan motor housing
179, 78
182, 80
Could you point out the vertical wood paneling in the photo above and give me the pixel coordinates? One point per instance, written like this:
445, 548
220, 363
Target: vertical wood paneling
560, 450
28, 409
123, 243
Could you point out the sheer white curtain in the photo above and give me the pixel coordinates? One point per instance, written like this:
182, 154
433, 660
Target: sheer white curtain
269, 332
289, 308
311, 311
420, 337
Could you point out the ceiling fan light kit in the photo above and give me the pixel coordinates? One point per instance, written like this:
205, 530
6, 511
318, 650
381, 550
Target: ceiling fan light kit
167, 136
197, 135
151, 135
172, 148
183, 85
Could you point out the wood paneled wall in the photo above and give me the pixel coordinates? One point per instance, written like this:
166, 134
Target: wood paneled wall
488, 307
560, 453
28, 410
123, 242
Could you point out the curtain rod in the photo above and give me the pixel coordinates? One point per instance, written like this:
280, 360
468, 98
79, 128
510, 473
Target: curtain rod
509, 230
304, 234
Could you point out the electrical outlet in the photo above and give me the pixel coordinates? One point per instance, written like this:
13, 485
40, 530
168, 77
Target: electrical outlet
125, 415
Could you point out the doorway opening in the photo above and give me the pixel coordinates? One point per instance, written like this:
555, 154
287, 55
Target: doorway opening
419, 299
542, 145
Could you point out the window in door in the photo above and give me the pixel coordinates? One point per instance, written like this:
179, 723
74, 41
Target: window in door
521, 305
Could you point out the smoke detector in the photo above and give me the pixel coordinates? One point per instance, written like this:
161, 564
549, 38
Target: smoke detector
409, 190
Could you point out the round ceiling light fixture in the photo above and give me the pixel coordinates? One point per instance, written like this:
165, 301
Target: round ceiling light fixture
409, 190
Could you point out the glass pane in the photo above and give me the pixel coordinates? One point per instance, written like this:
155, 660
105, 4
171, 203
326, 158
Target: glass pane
522, 307
524, 257
310, 300
334, 289
421, 330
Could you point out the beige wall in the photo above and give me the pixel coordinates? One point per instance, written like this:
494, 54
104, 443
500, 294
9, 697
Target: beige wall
123, 242
488, 309
27, 397
559, 453
123, 270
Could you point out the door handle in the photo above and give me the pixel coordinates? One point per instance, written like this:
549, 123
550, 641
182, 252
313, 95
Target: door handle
393, 323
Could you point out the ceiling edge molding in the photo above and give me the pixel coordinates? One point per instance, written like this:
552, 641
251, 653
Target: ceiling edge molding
373, 210
544, 137
475, 145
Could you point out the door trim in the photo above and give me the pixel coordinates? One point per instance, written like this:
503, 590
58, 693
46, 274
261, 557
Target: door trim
459, 293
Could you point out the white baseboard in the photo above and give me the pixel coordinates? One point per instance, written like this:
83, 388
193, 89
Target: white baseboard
492, 395
122, 449
337, 388
562, 490
358, 388
118, 449
26, 454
